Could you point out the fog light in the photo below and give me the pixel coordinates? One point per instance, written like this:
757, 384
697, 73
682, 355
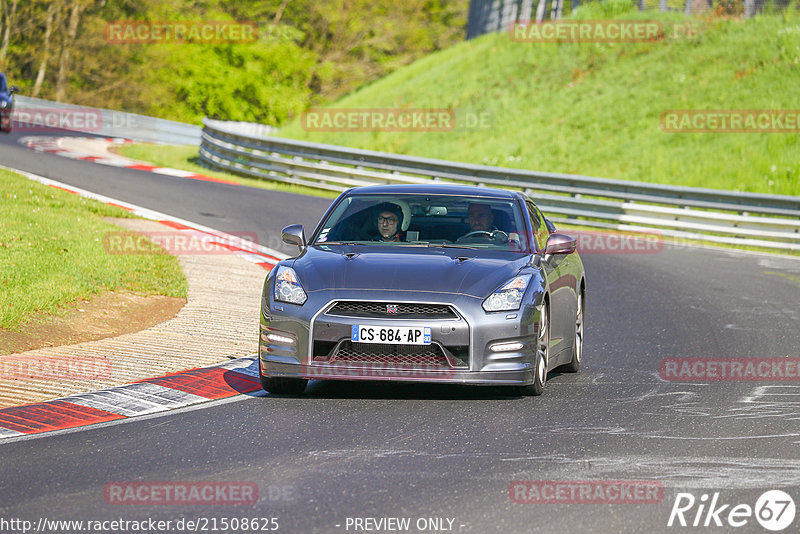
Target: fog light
283, 340
506, 347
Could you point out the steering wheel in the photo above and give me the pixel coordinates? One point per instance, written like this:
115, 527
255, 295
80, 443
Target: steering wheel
495, 235
476, 233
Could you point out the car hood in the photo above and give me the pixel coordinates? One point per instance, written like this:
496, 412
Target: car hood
443, 270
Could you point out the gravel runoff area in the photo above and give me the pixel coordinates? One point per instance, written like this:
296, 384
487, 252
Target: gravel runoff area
219, 322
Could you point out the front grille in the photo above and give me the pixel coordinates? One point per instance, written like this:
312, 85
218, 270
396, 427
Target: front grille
404, 310
433, 355
428, 355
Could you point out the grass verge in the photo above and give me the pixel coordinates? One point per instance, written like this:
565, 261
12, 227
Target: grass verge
595, 109
51, 253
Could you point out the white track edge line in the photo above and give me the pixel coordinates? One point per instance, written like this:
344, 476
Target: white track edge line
146, 212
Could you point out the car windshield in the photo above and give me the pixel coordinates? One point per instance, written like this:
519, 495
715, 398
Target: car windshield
426, 220
3, 87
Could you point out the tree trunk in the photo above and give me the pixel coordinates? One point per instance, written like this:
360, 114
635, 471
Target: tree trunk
53, 14
3, 11
66, 50
554, 9
662, 5
753, 7
525, 10
10, 20
540, 11
281, 9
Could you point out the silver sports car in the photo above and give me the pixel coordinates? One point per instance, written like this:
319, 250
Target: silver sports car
432, 283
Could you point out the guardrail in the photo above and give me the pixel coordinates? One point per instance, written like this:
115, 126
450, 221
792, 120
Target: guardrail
760, 220
46, 116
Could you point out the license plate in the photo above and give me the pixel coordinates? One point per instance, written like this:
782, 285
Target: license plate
392, 335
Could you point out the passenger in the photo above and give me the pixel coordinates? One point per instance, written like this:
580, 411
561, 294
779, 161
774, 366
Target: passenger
390, 219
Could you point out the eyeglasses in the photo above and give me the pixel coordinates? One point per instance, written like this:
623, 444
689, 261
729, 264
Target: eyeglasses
390, 220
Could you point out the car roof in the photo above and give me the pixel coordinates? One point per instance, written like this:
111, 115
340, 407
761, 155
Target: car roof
432, 189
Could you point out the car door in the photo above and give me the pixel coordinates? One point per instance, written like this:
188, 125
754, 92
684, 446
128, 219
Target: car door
563, 302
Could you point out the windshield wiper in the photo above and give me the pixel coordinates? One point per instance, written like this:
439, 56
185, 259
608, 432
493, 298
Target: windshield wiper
451, 245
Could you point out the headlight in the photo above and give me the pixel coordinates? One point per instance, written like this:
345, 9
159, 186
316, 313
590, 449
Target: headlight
508, 297
3, 104
287, 286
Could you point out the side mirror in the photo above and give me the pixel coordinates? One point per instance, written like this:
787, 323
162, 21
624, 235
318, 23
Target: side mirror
560, 244
14, 89
294, 235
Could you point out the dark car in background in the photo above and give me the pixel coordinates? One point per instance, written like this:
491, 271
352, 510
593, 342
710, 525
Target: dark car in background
440, 302
6, 103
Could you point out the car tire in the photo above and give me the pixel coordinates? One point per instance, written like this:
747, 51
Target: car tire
281, 385
542, 354
577, 349
5, 122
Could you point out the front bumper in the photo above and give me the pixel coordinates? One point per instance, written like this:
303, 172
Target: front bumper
512, 377
310, 326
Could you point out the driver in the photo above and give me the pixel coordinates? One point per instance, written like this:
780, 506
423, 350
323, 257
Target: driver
480, 218
481, 225
390, 219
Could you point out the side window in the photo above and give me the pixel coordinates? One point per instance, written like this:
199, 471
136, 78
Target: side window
545, 231
540, 231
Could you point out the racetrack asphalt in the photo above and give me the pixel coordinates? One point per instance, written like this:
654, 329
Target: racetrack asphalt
225, 207
377, 450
